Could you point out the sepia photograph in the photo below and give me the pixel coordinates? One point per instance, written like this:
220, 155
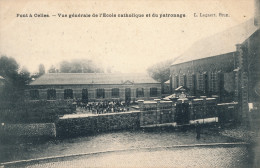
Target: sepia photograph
129, 83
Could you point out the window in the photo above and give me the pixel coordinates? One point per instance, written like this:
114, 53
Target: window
203, 82
140, 92
115, 92
100, 93
190, 81
200, 82
213, 82
153, 92
34, 94
181, 80
51, 94
68, 94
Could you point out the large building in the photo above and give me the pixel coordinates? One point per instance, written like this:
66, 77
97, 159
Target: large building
226, 64
93, 87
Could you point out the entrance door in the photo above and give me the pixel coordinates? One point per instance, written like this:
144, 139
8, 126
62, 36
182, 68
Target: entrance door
127, 95
85, 95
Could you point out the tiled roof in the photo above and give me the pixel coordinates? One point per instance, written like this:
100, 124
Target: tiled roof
91, 78
220, 43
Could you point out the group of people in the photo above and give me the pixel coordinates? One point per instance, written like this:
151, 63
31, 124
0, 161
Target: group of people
104, 107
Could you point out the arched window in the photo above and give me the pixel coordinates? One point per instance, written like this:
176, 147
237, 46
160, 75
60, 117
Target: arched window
115, 92
206, 84
100, 93
34, 94
140, 92
200, 82
51, 94
189, 81
153, 92
68, 94
213, 82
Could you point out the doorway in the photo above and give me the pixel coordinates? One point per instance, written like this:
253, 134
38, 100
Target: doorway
127, 95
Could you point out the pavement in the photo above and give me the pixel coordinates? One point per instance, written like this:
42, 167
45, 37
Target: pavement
160, 148
231, 156
105, 142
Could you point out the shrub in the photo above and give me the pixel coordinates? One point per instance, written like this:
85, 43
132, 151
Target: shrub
34, 112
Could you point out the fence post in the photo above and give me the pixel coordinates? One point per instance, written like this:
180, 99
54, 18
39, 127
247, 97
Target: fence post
158, 111
141, 108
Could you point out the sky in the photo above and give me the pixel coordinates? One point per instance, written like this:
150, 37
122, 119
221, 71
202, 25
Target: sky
126, 44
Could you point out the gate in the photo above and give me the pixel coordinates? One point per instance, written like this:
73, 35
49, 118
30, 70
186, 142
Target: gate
182, 113
127, 95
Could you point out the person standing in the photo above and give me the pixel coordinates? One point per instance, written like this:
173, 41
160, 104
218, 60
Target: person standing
198, 130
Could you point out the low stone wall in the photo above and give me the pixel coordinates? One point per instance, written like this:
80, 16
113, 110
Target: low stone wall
75, 126
168, 115
118, 121
98, 123
28, 130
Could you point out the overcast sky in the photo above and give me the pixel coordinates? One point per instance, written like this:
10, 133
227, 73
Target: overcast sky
126, 44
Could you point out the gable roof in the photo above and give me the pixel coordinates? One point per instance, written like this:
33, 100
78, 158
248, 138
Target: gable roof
220, 43
91, 78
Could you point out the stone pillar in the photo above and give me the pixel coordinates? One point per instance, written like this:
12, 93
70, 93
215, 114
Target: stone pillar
158, 111
242, 82
141, 107
108, 93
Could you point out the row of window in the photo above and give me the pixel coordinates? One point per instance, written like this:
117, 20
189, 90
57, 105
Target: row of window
207, 81
100, 93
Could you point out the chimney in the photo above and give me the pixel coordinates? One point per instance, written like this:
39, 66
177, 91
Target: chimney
257, 13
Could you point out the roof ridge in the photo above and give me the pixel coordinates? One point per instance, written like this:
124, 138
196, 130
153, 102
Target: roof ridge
91, 78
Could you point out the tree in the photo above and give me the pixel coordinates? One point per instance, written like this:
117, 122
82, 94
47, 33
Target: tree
24, 77
52, 69
9, 71
79, 66
8, 67
65, 67
160, 71
41, 69
15, 81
